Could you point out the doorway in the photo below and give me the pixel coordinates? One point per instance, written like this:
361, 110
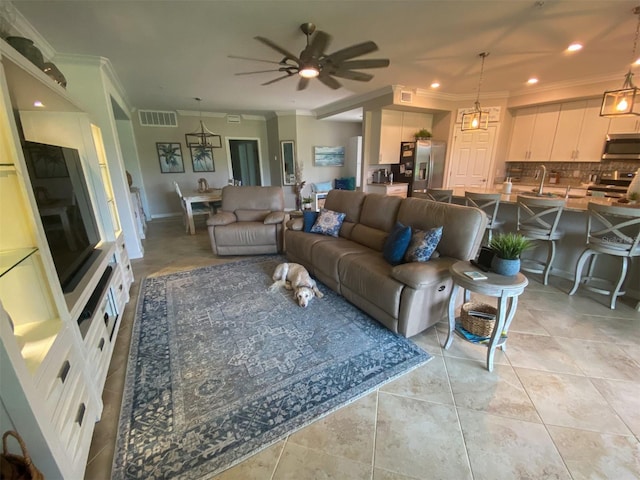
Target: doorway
472, 157
244, 160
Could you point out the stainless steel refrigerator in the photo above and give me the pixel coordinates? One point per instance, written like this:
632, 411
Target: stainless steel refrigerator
421, 165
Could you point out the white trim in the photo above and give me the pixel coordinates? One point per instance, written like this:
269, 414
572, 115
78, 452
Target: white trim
230, 165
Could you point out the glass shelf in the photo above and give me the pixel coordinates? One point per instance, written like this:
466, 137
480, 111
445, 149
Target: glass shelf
12, 258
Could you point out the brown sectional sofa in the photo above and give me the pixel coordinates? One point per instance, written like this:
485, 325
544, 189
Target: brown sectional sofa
406, 298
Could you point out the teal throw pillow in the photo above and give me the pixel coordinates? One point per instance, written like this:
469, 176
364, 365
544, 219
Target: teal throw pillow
309, 217
423, 244
328, 222
396, 244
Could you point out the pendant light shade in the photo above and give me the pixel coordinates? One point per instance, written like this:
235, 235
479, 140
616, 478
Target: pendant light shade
203, 137
622, 102
477, 119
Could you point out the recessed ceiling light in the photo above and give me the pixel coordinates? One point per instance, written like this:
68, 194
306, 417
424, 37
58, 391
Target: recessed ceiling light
532, 81
38, 104
574, 47
435, 85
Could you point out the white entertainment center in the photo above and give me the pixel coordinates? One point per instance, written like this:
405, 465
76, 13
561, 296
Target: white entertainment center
56, 345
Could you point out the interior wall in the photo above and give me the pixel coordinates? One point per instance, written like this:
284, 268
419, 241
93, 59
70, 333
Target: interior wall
158, 186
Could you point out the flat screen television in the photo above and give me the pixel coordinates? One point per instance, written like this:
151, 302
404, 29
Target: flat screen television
64, 205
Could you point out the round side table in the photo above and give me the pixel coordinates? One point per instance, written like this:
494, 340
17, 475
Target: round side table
506, 289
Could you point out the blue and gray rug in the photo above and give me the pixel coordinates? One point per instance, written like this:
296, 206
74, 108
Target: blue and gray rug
220, 367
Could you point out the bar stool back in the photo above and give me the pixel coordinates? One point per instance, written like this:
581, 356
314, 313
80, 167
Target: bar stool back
489, 203
611, 230
440, 194
538, 220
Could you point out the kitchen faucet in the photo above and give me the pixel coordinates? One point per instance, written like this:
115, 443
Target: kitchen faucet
544, 173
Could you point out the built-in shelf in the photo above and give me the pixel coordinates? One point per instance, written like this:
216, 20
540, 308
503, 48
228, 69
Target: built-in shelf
12, 258
35, 339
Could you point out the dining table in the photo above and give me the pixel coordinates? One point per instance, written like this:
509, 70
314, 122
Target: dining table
211, 195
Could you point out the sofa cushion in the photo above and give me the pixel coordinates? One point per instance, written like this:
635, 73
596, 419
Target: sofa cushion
274, 217
328, 222
396, 244
309, 218
423, 244
250, 215
347, 202
222, 218
419, 275
379, 211
246, 233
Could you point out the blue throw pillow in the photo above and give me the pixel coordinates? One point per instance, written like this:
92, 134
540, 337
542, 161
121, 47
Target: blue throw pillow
396, 244
328, 222
346, 183
309, 217
423, 244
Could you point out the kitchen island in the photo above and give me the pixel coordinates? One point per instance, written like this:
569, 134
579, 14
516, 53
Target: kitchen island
573, 225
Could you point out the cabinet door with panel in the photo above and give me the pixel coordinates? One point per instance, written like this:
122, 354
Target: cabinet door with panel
593, 133
390, 136
544, 131
567, 133
524, 122
624, 125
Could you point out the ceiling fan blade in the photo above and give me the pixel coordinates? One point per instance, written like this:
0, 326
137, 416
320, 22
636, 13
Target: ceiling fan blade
302, 84
367, 63
350, 75
318, 45
254, 59
276, 79
350, 52
258, 71
278, 48
329, 81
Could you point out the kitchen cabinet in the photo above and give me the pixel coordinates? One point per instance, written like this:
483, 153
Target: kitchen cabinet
394, 190
390, 136
624, 125
388, 128
580, 133
533, 133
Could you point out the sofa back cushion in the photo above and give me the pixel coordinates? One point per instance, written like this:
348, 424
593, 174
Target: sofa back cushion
377, 218
463, 227
246, 215
252, 198
348, 202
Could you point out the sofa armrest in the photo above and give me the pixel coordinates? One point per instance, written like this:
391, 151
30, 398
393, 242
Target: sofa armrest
222, 218
274, 217
419, 275
295, 224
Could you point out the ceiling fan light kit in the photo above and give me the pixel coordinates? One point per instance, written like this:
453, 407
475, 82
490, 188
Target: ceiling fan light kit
313, 62
477, 119
622, 102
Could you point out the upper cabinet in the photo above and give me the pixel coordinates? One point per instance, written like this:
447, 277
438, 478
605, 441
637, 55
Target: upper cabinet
533, 133
567, 132
625, 125
391, 127
581, 132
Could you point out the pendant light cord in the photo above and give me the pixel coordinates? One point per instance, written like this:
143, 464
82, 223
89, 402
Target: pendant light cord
483, 55
628, 81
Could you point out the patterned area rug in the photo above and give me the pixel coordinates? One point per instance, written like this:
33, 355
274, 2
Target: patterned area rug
220, 367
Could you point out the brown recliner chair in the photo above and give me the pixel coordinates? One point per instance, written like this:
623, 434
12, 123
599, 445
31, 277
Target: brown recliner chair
250, 221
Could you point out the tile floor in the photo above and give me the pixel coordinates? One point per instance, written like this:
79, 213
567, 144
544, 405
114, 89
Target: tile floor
562, 402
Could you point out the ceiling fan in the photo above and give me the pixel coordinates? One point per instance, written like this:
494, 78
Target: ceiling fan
314, 62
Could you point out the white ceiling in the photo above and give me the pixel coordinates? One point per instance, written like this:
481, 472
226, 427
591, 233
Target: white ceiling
168, 52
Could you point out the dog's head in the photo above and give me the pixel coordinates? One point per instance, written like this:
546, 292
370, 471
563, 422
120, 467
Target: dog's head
304, 296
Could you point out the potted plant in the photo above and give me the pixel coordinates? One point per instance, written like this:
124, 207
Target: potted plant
306, 203
421, 134
507, 248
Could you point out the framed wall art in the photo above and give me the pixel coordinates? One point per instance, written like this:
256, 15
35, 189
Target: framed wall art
202, 158
328, 156
170, 157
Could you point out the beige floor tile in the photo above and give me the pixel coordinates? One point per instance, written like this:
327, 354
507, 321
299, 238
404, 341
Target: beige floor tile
461, 348
499, 392
623, 331
427, 382
428, 341
419, 439
632, 350
527, 321
570, 401
257, 467
348, 432
604, 360
299, 463
571, 325
624, 397
591, 455
540, 352
380, 474
505, 448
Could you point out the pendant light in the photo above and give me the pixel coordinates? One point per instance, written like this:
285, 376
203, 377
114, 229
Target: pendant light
204, 137
477, 119
616, 103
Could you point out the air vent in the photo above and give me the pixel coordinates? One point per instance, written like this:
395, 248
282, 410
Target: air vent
233, 119
406, 97
153, 118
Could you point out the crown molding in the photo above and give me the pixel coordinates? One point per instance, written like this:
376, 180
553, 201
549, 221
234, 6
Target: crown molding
25, 29
349, 103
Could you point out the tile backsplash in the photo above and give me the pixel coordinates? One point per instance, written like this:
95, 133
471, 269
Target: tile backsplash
570, 173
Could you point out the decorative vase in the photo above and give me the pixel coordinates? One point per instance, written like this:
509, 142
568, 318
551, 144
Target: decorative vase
27, 49
55, 74
502, 266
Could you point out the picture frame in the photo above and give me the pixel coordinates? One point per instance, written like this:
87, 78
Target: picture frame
328, 156
288, 152
202, 158
170, 157
47, 162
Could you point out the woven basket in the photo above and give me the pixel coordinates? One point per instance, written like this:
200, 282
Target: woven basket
17, 467
482, 327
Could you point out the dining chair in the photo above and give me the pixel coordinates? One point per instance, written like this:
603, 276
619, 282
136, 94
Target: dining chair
611, 230
489, 203
439, 194
537, 219
197, 208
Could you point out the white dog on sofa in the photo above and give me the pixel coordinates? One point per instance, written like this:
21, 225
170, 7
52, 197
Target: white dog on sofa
294, 276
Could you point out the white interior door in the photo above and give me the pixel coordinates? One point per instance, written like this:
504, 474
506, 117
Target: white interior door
472, 157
